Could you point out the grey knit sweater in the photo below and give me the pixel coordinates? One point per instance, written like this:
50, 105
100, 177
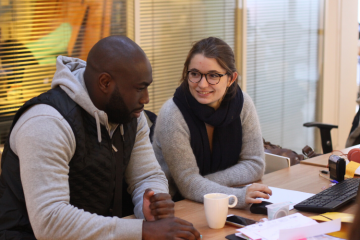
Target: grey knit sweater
174, 153
45, 144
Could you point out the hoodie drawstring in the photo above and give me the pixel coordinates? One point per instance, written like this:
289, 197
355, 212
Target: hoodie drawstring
122, 132
98, 126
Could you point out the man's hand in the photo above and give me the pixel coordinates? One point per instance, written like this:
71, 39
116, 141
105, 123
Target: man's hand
169, 228
257, 190
157, 206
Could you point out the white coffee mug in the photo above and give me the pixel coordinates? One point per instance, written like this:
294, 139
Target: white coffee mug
216, 208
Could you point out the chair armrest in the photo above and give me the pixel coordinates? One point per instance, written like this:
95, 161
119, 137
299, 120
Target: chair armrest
319, 125
324, 133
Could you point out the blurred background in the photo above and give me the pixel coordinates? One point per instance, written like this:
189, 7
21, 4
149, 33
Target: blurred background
297, 58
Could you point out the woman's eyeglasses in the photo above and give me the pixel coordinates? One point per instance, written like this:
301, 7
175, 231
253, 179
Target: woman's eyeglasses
211, 78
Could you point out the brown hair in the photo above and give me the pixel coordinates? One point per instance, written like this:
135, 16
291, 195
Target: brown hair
213, 47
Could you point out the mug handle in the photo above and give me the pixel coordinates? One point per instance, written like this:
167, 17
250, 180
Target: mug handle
235, 201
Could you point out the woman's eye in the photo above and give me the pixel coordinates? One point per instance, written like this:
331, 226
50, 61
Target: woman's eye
213, 75
194, 74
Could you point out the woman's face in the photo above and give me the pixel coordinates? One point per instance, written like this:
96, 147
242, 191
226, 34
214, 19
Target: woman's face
202, 91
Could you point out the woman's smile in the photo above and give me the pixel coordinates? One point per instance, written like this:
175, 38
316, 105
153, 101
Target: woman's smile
202, 91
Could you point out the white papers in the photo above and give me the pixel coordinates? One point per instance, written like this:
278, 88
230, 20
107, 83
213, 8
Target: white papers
295, 226
283, 195
269, 230
324, 237
310, 231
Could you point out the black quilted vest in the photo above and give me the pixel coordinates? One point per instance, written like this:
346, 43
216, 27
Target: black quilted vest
96, 169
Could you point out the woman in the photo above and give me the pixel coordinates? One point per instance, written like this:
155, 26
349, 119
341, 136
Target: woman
207, 137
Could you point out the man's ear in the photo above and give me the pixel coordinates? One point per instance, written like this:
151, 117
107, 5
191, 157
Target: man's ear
233, 78
105, 82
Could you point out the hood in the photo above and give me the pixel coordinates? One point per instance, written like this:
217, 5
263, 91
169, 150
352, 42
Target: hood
69, 76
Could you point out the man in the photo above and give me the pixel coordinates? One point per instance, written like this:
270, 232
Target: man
72, 150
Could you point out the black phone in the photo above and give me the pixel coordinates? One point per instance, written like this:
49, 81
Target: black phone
239, 221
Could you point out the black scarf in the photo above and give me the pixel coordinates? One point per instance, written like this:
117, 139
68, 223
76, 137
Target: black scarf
227, 136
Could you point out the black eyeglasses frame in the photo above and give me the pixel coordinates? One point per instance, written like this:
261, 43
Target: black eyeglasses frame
205, 74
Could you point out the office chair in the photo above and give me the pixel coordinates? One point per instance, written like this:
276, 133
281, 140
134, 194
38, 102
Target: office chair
151, 120
325, 134
275, 162
326, 143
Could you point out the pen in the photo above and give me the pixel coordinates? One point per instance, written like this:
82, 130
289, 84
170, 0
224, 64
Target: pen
326, 177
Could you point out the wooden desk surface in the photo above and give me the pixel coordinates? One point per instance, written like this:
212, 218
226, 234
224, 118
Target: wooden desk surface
301, 177
322, 160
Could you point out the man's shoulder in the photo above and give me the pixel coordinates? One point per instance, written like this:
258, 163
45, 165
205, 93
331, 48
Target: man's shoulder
40, 119
40, 110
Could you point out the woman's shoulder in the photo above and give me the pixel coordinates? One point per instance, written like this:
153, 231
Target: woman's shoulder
248, 111
169, 107
248, 103
170, 111
170, 118
247, 98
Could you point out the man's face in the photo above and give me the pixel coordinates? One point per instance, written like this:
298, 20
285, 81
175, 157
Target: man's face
130, 94
116, 109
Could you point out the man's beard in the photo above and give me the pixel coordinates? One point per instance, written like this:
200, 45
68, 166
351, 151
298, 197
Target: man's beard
116, 110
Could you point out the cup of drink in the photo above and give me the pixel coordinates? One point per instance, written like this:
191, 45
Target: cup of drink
216, 208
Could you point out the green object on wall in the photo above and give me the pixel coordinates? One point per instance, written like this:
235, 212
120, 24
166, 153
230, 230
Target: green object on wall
46, 49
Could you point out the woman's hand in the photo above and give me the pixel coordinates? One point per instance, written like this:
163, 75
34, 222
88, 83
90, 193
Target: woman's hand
255, 191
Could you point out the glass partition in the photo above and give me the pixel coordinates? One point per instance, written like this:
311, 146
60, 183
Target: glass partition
282, 68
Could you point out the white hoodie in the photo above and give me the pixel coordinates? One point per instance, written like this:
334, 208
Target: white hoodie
44, 142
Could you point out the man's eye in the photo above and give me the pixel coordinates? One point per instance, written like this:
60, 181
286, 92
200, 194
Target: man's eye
141, 89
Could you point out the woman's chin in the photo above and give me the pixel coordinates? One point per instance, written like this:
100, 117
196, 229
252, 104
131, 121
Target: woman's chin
209, 103
203, 101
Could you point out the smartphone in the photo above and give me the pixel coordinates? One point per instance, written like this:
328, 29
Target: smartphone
239, 221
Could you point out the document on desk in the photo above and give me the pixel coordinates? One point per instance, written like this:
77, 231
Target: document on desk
283, 195
295, 226
357, 171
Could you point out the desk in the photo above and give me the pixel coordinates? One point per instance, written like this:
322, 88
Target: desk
300, 177
322, 160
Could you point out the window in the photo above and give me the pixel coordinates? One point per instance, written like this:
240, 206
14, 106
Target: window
166, 30
35, 32
282, 68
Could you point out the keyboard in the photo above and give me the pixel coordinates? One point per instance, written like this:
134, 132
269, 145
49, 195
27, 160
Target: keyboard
331, 198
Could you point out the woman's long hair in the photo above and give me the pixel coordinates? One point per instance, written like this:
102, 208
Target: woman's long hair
216, 48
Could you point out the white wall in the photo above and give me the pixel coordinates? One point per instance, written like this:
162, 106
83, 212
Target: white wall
338, 88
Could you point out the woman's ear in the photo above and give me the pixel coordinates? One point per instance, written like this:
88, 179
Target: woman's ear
233, 78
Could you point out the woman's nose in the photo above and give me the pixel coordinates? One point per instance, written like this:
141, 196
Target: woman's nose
203, 83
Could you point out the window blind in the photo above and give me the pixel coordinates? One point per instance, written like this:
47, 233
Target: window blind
35, 32
282, 68
167, 30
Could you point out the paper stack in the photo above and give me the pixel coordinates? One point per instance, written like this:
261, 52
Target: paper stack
295, 226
